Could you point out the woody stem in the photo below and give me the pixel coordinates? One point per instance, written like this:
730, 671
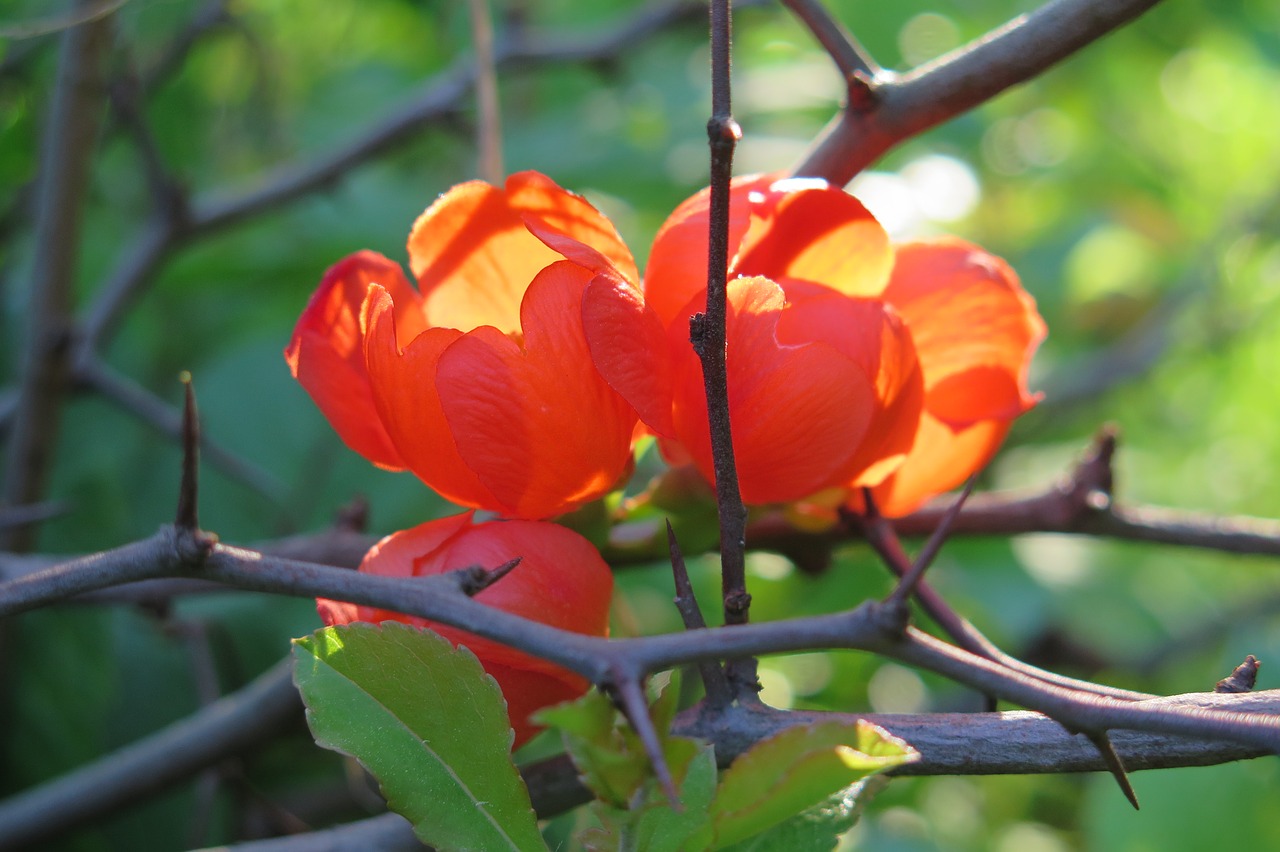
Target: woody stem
707, 333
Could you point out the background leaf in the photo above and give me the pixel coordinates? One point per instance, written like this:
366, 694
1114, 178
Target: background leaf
427, 721
797, 770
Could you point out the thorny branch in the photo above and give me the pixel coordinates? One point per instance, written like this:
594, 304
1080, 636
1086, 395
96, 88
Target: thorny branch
707, 334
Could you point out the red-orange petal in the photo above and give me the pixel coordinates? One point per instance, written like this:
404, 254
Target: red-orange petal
975, 330
874, 337
677, 269
408, 403
974, 327
798, 410
822, 235
942, 459
629, 346
326, 353
474, 257
539, 426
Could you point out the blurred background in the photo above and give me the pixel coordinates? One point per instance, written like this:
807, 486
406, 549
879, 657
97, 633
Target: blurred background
1135, 188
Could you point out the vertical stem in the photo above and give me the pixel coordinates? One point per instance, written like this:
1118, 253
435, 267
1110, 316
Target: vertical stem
70, 133
488, 122
707, 333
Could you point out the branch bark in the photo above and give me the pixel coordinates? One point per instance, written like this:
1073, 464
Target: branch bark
887, 109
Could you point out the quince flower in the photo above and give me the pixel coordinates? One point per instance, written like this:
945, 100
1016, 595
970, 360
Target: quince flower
850, 363
561, 581
479, 380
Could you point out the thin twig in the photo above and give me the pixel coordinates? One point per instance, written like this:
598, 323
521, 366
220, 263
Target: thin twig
67, 152
714, 681
849, 56
489, 123
188, 516
707, 334
911, 579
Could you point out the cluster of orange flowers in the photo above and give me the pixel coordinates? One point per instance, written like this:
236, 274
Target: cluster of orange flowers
518, 374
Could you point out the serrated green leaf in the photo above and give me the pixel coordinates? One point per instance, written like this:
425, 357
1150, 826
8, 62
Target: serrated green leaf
662, 829
817, 829
797, 770
430, 725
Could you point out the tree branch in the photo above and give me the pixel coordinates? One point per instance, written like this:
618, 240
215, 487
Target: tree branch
68, 146
226, 727
886, 109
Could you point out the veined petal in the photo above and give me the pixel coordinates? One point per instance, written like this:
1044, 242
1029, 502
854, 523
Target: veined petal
474, 257
871, 335
326, 353
677, 269
408, 403
539, 426
974, 327
822, 235
798, 411
629, 346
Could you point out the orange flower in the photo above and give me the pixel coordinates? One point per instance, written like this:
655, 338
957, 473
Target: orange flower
480, 380
561, 581
847, 361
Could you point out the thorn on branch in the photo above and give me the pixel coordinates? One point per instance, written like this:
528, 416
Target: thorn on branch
1242, 679
628, 695
187, 517
698, 333
354, 516
714, 681
474, 579
1115, 765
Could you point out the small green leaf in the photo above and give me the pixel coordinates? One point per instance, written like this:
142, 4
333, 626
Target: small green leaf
606, 762
661, 829
817, 829
430, 725
797, 770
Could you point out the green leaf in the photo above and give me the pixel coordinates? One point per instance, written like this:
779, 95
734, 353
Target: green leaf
430, 725
797, 770
606, 763
651, 824
817, 829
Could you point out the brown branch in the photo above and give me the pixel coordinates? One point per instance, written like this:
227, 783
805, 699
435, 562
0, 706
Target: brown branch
865, 628
885, 110
707, 335
67, 152
1009, 743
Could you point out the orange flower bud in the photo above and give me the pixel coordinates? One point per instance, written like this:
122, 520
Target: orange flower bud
560, 581
479, 380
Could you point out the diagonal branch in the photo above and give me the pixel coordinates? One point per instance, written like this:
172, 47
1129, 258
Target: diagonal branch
885, 110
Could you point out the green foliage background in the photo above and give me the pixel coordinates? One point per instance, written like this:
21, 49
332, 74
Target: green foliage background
1137, 181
